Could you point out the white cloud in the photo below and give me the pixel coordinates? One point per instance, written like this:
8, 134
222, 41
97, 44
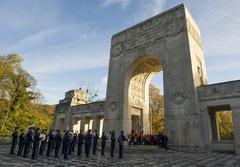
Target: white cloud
149, 8
123, 3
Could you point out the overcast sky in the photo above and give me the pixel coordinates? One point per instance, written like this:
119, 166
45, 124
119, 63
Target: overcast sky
65, 43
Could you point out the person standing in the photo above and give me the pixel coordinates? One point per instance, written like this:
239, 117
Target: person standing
165, 141
28, 142
43, 136
21, 143
80, 142
121, 140
63, 144
95, 142
113, 141
58, 141
14, 140
74, 141
36, 141
103, 143
66, 141
160, 140
88, 143
70, 143
50, 142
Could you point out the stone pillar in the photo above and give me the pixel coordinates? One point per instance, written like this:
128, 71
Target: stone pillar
68, 120
214, 125
206, 128
82, 123
96, 123
236, 127
55, 120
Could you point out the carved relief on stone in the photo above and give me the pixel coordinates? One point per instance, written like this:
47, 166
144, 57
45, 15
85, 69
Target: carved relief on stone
174, 27
117, 49
178, 98
113, 106
140, 75
157, 29
136, 102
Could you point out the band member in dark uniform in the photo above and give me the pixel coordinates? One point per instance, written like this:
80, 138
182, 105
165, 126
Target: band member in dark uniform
50, 142
74, 141
43, 136
121, 140
88, 143
70, 143
28, 142
21, 143
95, 142
66, 140
36, 142
14, 140
103, 142
113, 141
63, 144
80, 142
58, 141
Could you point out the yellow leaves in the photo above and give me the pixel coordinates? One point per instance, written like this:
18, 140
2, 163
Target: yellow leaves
17, 92
156, 110
225, 125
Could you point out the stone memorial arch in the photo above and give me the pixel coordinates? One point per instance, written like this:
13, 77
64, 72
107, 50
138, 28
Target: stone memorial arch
169, 42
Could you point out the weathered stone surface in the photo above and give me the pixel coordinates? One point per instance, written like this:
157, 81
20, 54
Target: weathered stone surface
168, 42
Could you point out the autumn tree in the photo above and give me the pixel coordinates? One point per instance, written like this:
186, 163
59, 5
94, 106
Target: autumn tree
156, 110
17, 95
225, 125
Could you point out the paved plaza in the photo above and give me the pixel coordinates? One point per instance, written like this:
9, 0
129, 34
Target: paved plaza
134, 156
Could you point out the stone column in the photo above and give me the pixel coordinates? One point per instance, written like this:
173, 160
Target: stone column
96, 123
236, 127
214, 125
82, 123
206, 128
55, 120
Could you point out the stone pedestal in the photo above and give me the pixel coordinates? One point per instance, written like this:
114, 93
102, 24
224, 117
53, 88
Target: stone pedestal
236, 125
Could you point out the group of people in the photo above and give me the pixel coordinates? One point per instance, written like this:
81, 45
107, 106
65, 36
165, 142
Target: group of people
55, 141
138, 138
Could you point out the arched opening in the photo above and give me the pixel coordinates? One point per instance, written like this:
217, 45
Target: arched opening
139, 76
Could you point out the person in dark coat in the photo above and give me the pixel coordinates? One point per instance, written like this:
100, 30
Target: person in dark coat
21, 143
70, 143
160, 139
43, 136
121, 140
74, 141
113, 141
28, 142
14, 140
50, 142
63, 144
165, 141
88, 143
103, 142
80, 142
66, 140
58, 142
95, 142
36, 142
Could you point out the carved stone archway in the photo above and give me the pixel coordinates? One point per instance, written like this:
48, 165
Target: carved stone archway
169, 41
